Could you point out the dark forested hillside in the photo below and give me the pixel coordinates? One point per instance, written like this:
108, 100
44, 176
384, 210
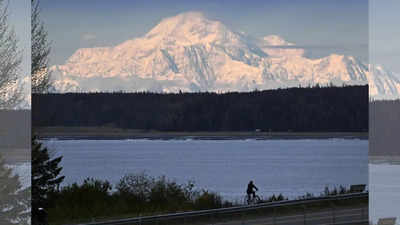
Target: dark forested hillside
294, 109
384, 133
15, 129
15, 135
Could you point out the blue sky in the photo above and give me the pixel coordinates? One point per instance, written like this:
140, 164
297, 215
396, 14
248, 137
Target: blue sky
385, 33
323, 25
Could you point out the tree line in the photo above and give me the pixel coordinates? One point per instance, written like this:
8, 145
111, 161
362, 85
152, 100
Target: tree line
15, 129
384, 127
313, 109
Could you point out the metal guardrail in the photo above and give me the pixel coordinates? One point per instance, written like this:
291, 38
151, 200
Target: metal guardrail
243, 209
387, 221
349, 216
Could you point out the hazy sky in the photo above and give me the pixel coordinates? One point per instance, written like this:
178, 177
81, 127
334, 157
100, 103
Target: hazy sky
323, 25
19, 12
385, 33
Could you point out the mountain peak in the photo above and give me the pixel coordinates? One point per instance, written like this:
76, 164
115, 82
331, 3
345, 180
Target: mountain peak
275, 40
188, 28
190, 15
186, 18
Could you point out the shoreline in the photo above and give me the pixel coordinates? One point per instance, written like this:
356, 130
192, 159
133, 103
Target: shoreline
101, 133
16, 155
384, 159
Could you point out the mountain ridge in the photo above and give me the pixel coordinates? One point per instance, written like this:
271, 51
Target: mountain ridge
189, 52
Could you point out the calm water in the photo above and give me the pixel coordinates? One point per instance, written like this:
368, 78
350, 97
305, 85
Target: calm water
384, 191
290, 167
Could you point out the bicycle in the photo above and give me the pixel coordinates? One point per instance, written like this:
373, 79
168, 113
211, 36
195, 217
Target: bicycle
250, 200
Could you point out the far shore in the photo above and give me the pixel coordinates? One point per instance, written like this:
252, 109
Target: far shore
15, 155
384, 159
117, 133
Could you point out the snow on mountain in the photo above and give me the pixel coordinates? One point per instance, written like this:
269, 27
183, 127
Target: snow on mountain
383, 84
276, 46
189, 52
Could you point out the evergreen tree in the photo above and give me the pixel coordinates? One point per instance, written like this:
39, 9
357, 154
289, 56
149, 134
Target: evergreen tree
14, 202
45, 178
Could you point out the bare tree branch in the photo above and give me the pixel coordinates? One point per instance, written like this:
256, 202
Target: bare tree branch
10, 61
41, 77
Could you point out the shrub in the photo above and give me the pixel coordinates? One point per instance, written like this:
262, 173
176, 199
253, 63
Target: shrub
135, 186
208, 200
335, 191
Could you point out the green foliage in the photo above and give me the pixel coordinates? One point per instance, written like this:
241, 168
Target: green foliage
87, 200
139, 195
306, 196
275, 198
135, 194
206, 200
335, 191
137, 186
45, 177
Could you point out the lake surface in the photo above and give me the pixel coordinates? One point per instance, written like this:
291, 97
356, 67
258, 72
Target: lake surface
384, 191
290, 167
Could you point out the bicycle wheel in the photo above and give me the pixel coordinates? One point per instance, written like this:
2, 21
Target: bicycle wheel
252, 200
246, 200
257, 199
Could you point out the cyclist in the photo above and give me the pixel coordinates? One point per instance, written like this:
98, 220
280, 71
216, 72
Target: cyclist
250, 190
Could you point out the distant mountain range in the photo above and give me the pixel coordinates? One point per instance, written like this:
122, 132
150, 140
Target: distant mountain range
190, 53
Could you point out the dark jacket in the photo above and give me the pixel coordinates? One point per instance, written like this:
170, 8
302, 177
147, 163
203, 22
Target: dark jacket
250, 188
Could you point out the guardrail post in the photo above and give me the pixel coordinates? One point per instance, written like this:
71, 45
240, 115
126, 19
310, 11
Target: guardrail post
305, 214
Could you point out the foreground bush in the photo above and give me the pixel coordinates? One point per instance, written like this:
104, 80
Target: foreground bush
134, 195
138, 195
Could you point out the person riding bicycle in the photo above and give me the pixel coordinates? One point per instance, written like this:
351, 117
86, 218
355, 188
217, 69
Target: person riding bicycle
250, 190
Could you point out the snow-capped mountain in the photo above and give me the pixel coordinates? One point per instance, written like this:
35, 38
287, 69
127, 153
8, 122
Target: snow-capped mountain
189, 52
383, 84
